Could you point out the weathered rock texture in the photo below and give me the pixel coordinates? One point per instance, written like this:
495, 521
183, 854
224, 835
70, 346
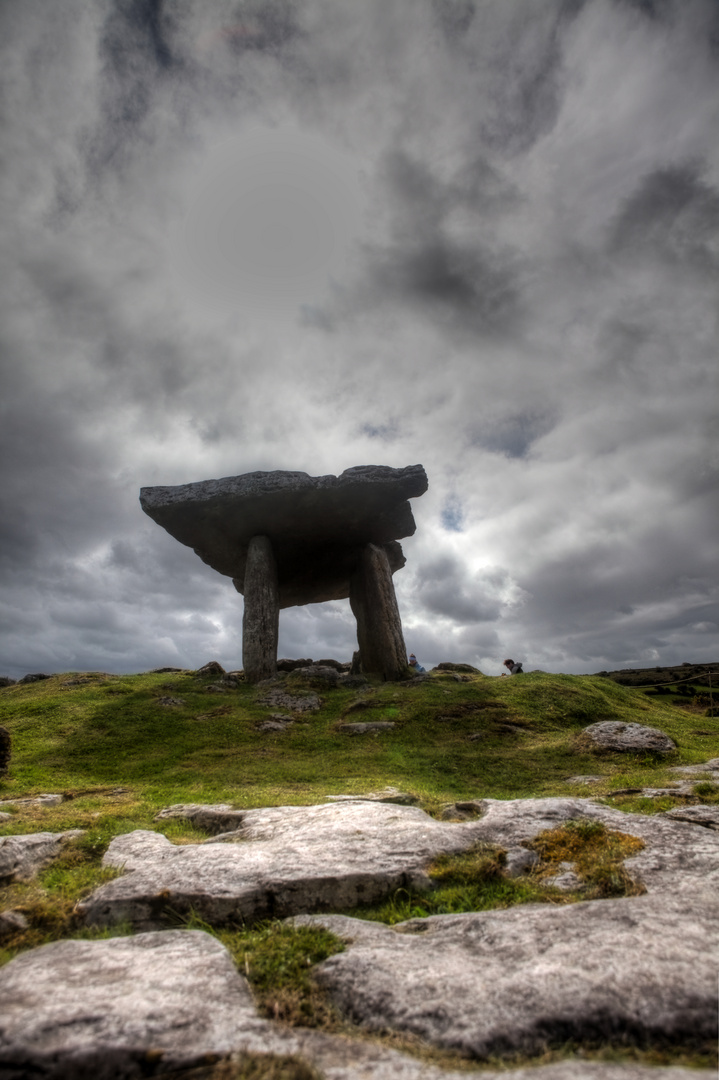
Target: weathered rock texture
678, 856
108, 1009
285, 860
22, 856
497, 982
286, 538
615, 735
161, 1003
261, 619
374, 605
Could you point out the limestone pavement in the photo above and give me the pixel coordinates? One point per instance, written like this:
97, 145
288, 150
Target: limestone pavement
638, 969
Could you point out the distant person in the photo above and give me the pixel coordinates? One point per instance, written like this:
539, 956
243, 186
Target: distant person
514, 668
413, 663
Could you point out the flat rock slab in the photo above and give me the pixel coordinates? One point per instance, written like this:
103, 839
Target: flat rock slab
35, 800
212, 818
316, 524
109, 1009
503, 982
163, 1002
285, 860
388, 795
22, 856
616, 735
697, 815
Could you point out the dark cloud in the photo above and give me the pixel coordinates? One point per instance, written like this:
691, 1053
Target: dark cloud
674, 216
513, 436
524, 208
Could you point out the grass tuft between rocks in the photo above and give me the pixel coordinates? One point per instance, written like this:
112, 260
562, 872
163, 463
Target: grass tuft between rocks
277, 959
597, 854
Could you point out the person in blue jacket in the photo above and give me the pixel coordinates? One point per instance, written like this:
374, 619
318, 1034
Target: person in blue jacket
413, 663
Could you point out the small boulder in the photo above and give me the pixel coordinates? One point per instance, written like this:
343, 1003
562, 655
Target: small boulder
317, 675
446, 666
520, 860
274, 725
627, 738
35, 800
290, 665
22, 856
37, 677
5, 680
12, 922
211, 668
213, 819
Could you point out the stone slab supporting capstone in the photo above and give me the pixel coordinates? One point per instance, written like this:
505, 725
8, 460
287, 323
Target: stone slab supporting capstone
374, 605
261, 619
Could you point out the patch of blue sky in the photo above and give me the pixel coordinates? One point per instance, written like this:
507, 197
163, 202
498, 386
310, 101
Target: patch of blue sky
452, 515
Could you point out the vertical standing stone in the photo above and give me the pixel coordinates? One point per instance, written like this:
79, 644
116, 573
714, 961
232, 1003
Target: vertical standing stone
260, 622
374, 604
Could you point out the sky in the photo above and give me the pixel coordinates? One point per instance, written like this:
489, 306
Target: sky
477, 235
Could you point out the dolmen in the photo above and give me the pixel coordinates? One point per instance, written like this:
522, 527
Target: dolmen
287, 538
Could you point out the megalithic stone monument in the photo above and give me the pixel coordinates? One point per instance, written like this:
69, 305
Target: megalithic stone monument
286, 538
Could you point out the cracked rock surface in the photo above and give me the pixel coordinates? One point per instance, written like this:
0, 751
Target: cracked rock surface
635, 969
286, 860
170, 1000
22, 856
497, 982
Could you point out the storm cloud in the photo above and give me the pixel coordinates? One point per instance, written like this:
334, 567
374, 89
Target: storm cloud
482, 235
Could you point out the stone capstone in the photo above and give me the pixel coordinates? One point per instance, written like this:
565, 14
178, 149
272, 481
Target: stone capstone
501, 982
616, 735
22, 856
316, 524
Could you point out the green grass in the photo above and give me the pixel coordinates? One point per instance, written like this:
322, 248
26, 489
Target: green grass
118, 756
